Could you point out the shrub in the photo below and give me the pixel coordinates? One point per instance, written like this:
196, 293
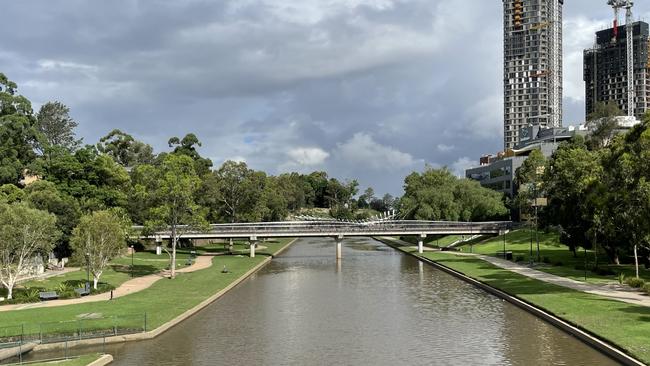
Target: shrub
646, 288
546, 260
27, 296
558, 264
519, 258
635, 282
603, 271
102, 287
621, 278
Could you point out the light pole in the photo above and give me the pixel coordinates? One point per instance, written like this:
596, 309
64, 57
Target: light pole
132, 250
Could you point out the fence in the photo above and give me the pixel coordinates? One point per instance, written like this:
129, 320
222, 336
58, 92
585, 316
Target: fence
88, 327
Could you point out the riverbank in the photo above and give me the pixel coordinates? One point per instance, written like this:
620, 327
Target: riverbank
165, 303
85, 360
624, 326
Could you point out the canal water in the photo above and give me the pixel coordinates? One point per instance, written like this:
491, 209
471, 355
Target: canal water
375, 307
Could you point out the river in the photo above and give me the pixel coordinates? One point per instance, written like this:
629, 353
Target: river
375, 307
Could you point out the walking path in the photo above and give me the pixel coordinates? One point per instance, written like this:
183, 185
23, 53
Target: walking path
126, 288
612, 291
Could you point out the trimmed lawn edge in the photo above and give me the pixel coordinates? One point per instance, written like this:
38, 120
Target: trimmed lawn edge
593, 340
168, 325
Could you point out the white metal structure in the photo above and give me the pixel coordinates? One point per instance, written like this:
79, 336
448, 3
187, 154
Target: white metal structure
627, 5
555, 66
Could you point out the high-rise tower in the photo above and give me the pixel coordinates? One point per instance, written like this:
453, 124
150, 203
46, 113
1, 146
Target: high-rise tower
605, 69
532, 68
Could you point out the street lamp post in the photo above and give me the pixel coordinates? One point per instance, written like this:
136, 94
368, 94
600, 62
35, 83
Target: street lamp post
132, 250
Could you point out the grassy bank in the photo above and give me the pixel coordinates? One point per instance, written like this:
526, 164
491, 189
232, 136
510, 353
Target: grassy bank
162, 302
79, 361
625, 325
119, 270
556, 258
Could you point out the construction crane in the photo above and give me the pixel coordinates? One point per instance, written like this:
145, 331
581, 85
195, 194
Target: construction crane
617, 5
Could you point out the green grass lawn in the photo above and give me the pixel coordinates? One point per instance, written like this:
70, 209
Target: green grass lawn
162, 302
560, 259
79, 361
626, 325
119, 269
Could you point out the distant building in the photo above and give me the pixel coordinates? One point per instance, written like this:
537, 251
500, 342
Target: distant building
498, 172
605, 69
532, 69
498, 175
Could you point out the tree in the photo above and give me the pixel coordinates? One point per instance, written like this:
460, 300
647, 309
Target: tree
95, 180
176, 210
572, 173
24, 232
273, 204
430, 196
44, 195
436, 194
339, 198
125, 150
55, 127
367, 197
603, 125
187, 146
99, 237
17, 133
629, 186
232, 193
605, 110
9, 193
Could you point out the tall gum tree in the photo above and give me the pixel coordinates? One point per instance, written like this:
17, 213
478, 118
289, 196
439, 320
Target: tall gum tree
176, 209
99, 237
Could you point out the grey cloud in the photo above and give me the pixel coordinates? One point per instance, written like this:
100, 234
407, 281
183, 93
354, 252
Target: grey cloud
258, 78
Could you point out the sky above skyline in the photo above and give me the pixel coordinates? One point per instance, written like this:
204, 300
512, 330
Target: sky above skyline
365, 89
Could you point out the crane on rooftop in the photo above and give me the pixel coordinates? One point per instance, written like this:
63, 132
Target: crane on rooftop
617, 5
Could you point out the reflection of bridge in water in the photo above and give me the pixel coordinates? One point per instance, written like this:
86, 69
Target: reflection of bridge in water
341, 229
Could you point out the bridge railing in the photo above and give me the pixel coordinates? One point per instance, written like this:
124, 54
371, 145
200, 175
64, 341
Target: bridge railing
354, 227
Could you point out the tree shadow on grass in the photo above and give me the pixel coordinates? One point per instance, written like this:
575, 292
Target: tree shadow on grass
138, 270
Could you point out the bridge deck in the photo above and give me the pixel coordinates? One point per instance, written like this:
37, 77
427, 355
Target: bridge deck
337, 228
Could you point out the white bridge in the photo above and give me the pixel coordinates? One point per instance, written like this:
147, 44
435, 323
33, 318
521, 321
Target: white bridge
338, 230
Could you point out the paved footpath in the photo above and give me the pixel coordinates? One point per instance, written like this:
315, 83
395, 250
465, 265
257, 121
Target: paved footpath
126, 288
612, 291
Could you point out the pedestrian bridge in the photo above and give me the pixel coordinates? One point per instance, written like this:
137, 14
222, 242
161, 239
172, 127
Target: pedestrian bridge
338, 230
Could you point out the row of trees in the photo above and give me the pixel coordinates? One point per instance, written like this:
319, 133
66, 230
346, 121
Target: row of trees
598, 189
120, 181
81, 199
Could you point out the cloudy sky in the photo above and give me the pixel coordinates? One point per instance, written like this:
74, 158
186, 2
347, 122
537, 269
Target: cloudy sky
366, 89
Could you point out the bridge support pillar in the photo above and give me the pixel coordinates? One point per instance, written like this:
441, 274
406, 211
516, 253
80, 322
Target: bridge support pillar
421, 243
253, 244
339, 247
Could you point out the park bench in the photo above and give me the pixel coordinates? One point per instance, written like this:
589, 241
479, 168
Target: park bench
83, 291
508, 255
48, 295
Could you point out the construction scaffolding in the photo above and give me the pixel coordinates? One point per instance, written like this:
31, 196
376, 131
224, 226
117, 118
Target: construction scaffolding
532, 66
